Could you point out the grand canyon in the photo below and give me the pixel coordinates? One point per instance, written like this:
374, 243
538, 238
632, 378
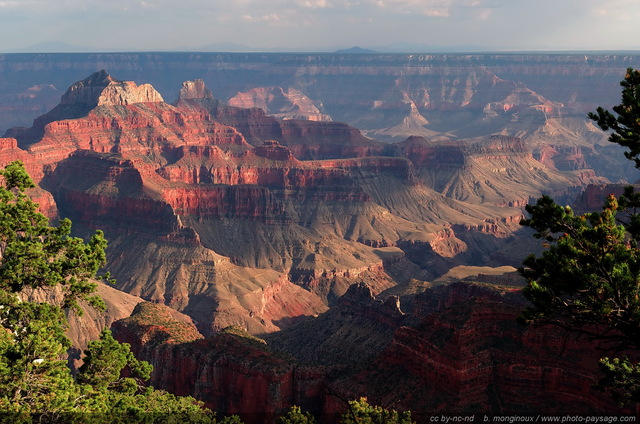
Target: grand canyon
305, 229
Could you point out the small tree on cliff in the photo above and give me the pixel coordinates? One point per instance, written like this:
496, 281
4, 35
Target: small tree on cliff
296, 416
34, 379
624, 122
361, 412
588, 280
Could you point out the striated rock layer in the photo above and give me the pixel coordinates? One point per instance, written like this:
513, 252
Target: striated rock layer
238, 218
289, 104
460, 352
541, 98
468, 355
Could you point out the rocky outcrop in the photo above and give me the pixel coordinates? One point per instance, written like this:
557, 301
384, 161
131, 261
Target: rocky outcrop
460, 351
231, 372
101, 89
306, 139
357, 328
469, 343
594, 196
235, 373
271, 149
9, 152
105, 115
150, 325
195, 90
275, 101
178, 181
498, 170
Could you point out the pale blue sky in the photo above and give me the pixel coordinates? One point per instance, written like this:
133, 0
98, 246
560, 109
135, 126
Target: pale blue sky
320, 25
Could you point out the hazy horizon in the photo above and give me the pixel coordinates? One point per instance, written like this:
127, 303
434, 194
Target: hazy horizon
319, 25
398, 48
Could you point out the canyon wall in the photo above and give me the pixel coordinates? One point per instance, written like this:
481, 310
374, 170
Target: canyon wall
459, 352
309, 207
237, 218
543, 97
115, 156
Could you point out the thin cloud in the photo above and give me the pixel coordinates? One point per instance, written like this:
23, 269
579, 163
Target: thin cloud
622, 10
273, 17
438, 8
313, 4
483, 14
437, 13
10, 4
316, 23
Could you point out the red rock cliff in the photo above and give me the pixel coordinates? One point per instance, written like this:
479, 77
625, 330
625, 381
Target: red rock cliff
468, 354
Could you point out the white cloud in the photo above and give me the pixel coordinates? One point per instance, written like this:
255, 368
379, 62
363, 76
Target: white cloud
483, 14
438, 8
622, 10
300, 23
313, 4
8, 4
442, 12
273, 17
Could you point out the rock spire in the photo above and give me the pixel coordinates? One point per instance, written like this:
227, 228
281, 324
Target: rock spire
100, 89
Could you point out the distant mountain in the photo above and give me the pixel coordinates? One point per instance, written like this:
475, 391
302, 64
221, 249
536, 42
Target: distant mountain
355, 50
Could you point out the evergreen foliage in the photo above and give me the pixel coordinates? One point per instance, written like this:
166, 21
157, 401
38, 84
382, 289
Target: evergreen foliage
35, 382
361, 412
38, 256
296, 416
588, 279
625, 121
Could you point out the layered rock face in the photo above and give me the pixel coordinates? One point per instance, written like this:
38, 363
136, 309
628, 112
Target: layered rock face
231, 372
460, 351
468, 355
236, 218
540, 98
499, 170
9, 152
235, 373
306, 139
227, 191
291, 104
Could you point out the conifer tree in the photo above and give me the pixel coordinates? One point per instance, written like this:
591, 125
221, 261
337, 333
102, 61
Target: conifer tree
295, 416
360, 411
35, 382
588, 280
